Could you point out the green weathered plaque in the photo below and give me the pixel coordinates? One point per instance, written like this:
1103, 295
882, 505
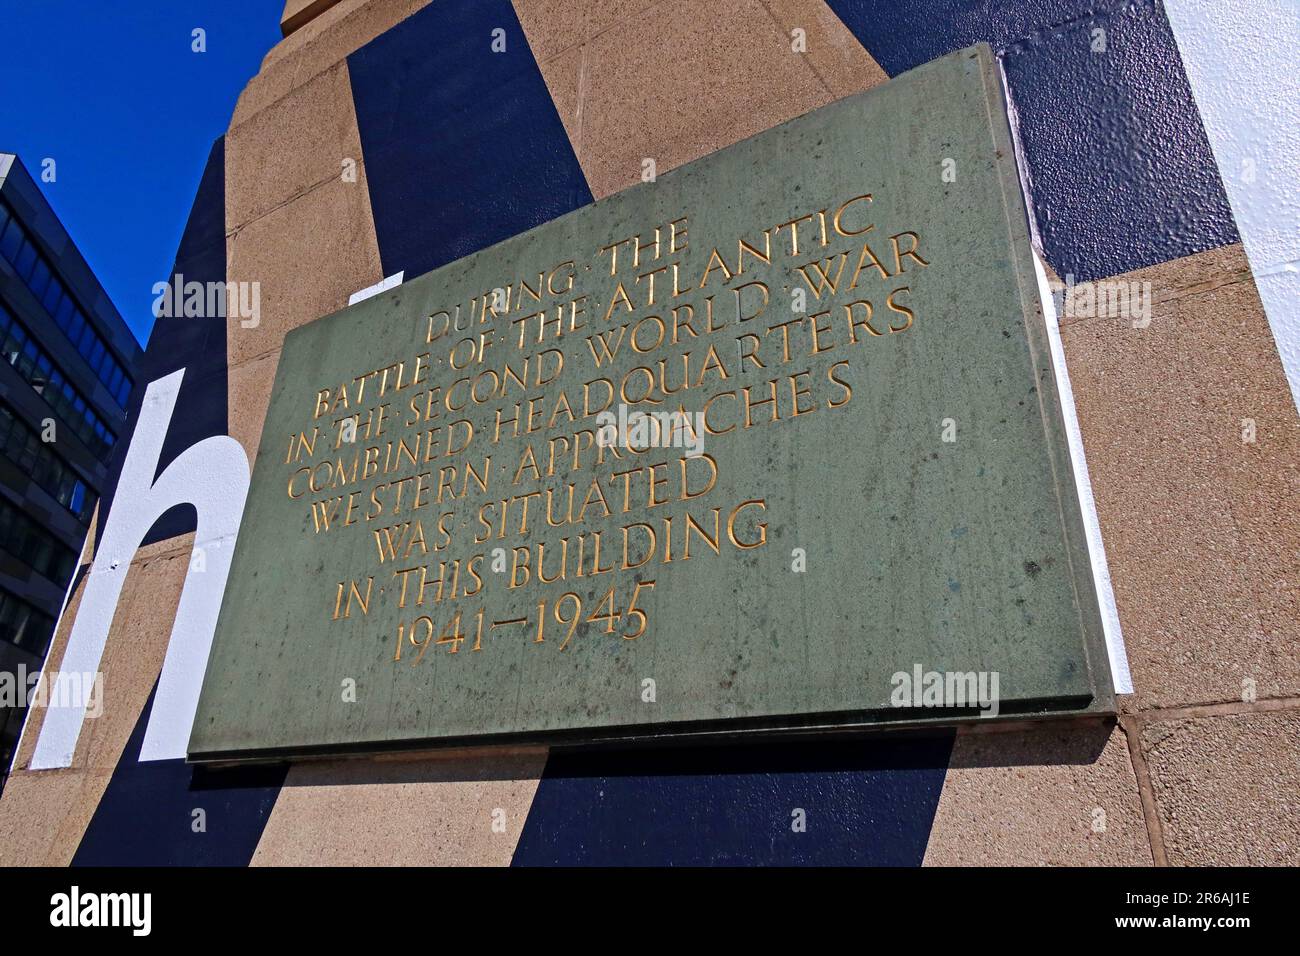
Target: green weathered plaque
772, 442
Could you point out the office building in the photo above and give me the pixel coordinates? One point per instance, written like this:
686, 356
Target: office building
65, 385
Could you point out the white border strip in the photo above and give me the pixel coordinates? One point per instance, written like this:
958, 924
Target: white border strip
392, 282
1115, 649
1240, 60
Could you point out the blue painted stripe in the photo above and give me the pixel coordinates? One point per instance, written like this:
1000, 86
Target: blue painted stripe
196, 344
868, 802
463, 146
147, 814
1121, 172
902, 34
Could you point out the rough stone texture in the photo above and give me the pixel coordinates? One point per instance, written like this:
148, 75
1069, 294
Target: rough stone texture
294, 145
312, 30
1227, 788
649, 75
317, 46
299, 12
294, 225
1032, 796
633, 111
842, 63
308, 256
406, 812
565, 76
133, 655
554, 26
44, 814
250, 394
1201, 528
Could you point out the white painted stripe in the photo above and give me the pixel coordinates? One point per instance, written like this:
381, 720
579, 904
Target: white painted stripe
391, 282
1241, 61
1092, 527
83, 561
213, 476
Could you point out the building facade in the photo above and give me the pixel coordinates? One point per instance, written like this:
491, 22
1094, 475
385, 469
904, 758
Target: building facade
396, 136
65, 385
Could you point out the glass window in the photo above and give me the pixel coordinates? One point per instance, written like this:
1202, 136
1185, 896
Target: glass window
4, 217
22, 624
20, 444
27, 460
49, 289
12, 240
27, 360
40, 278
77, 500
25, 259
86, 336
63, 314
52, 295
35, 365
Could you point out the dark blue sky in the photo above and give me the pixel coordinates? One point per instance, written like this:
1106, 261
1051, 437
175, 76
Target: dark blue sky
114, 94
